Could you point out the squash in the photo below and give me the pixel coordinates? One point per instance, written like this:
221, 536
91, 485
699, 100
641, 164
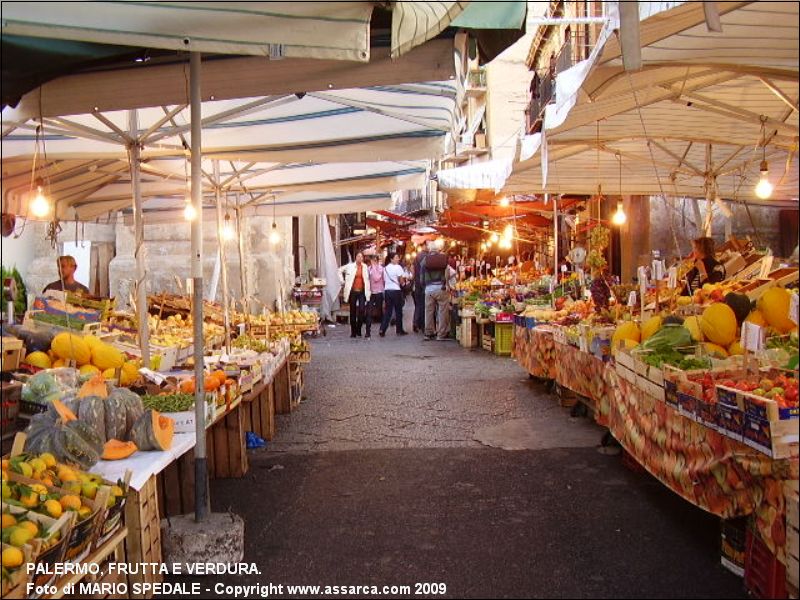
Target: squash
105, 356
152, 431
718, 324
63, 411
774, 305
115, 418
650, 326
74, 442
117, 450
131, 406
92, 411
69, 346
96, 386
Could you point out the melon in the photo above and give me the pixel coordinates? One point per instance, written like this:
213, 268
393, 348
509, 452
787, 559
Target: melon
69, 346
735, 349
774, 305
650, 326
757, 318
129, 375
715, 350
625, 331
89, 370
39, 359
718, 324
693, 325
105, 356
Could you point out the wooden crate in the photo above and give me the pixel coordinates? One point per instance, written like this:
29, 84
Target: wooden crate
143, 542
282, 390
175, 486
13, 353
225, 446
258, 411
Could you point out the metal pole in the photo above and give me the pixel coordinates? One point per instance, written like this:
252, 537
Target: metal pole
201, 500
139, 252
555, 234
226, 306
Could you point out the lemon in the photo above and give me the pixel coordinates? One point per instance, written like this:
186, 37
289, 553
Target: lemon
30, 526
116, 491
12, 558
39, 488
20, 536
84, 511
25, 469
38, 466
48, 459
6, 491
89, 490
29, 500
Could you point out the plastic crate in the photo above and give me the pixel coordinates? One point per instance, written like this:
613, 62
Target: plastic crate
764, 574
503, 338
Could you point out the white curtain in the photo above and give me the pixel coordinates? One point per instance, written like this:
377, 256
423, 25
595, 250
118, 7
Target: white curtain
329, 269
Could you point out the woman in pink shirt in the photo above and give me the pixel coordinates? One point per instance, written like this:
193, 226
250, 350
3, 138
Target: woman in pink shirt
376, 283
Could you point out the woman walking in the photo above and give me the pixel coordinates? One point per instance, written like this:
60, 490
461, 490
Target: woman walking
394, 276
376, 286
355, 278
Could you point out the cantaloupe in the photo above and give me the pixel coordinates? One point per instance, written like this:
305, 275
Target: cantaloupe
39, 359
625, 331
650, 326
105, 356
716, 350
69, 346
774, 305
718, 324
757, 318
693, 325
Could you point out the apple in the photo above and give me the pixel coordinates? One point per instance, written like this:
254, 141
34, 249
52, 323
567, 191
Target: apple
766, 384
759, 392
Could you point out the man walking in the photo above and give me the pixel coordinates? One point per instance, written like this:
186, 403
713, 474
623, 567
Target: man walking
419, 292
437, 296
355, 278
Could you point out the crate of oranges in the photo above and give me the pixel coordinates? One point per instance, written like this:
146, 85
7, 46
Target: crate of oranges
42, 485
15, 575
47, 538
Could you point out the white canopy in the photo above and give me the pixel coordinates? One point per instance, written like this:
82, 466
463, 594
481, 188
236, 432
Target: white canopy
689, 122
322, 30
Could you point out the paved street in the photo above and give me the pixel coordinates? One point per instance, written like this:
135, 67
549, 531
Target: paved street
378, 479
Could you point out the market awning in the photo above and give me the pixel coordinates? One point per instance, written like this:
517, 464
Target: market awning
690, 122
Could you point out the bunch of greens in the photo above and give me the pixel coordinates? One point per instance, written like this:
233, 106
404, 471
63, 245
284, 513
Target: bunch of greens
21, 301
169, 403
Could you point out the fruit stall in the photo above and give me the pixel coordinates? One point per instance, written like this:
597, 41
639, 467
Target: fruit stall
96, 419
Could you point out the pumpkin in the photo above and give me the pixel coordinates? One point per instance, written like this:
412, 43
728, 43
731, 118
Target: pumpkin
187, 386
221, 377
774, 305
650, 326
693, 325
105, 356
210, 383
92, 411
69, 346
718, 324
115, 418
118, 450
63, 411
152, 431
131, 406
96, 386
73, 442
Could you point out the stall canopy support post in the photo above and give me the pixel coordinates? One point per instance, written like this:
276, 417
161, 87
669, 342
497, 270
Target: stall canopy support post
555, 234
226, 305
138, 227
242, 266
201, 500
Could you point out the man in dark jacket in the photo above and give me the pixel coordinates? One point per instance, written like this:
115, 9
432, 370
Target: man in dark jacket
419, 293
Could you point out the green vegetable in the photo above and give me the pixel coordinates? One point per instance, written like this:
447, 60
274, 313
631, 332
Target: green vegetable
669, 337
169, 403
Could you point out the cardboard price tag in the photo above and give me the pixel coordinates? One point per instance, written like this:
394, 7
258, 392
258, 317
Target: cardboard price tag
643, 281
632, 299
657, 270
673, 278
793, 307
752, 337
152, 376
581, 277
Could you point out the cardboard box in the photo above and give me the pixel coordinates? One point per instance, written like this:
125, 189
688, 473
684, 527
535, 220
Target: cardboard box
671, 393
730, 421
687, 406
777, 439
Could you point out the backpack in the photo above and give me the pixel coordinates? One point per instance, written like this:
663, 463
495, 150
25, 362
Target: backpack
435, 262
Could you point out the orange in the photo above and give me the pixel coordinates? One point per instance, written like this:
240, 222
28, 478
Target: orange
9, 520
30, 526
221, 377
70, 502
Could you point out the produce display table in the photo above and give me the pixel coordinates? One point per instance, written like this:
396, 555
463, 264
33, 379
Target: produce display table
259, 410
534, 349
282, 389
582, 373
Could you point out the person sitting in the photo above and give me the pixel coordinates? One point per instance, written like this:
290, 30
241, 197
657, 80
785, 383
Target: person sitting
66, 269
706, 269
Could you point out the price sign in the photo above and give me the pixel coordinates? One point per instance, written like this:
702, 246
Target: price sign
643, 281
152, 376
552, 284
563, 268
657, 269
793, 308
673, 278
581, 277
632, 299
752, 337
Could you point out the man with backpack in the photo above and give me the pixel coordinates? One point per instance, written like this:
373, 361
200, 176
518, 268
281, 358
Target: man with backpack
437, 294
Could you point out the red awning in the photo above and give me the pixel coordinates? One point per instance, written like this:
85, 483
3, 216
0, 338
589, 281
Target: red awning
394, 216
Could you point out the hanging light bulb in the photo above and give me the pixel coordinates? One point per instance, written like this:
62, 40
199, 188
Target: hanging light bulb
505, 244
619, 217
452, 243
227, 232
274, 235
494, 238
764, 187
40, 206
508, 232
189, 211
504, 201
483, 246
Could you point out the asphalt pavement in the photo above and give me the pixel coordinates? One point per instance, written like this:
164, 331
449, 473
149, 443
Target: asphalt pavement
379, 478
